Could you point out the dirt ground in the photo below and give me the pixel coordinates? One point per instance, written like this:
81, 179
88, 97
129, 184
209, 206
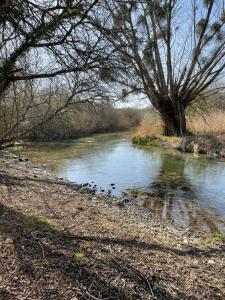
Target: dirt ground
56, 242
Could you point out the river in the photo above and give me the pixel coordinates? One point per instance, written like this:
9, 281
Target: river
182, 189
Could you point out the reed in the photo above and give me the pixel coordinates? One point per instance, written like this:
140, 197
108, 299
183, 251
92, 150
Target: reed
151, 125
211, 124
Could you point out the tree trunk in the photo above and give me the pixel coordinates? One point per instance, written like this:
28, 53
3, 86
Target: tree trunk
174, 120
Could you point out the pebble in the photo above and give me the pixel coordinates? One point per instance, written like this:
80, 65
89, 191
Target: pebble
211, 262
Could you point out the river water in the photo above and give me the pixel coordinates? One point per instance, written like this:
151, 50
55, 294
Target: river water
182, 189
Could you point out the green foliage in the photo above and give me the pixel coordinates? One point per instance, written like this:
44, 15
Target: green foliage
145, 141
170, 139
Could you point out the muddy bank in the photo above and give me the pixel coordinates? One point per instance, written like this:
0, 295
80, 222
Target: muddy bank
57, 241
210, 145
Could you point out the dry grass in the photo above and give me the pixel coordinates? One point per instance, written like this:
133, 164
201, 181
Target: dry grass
213, 123
150, 125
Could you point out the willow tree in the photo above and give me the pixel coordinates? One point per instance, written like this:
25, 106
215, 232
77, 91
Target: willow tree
171, 50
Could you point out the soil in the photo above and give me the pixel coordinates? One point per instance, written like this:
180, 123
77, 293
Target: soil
59, 242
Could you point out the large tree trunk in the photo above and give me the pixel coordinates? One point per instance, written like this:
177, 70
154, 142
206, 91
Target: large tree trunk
174, 120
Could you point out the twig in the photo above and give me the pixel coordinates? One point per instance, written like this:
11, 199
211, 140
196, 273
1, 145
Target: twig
42, 248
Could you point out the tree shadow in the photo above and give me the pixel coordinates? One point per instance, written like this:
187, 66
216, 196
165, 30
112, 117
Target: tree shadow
48, 265
9, 180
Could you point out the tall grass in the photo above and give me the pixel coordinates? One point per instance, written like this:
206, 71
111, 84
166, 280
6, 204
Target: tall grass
151, 125
212, 123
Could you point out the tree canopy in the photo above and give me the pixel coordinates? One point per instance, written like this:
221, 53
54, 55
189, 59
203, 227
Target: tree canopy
170, 50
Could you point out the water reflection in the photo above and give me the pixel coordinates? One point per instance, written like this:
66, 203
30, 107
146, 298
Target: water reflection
184, 190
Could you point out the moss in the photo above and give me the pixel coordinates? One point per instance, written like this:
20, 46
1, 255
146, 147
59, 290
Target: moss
39, 224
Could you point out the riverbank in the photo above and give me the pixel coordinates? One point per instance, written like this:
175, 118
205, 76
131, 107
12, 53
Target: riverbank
210, 145
59, 242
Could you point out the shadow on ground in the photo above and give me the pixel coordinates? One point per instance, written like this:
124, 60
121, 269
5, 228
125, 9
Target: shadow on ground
44, 263
41, 261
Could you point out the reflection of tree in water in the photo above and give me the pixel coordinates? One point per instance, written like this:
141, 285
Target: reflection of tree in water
175, 199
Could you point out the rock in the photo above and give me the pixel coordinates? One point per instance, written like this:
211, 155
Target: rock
222, 153
80, 208
185, 240
211, 262
126, 199
120, 203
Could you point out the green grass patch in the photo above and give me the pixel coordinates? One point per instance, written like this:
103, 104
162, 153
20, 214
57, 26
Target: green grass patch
145, 141
39, 223
218, 236
170, 139
79, 254
154, 141
135, 192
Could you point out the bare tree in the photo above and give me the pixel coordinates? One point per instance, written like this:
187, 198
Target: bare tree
50, 46
172, 51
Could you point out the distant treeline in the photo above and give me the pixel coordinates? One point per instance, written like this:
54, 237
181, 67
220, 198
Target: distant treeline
38, 114
85, 119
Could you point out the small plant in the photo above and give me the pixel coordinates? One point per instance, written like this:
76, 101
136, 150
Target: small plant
145, 140
38, 224
135, 237
170, 139
79, 254
218, 236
